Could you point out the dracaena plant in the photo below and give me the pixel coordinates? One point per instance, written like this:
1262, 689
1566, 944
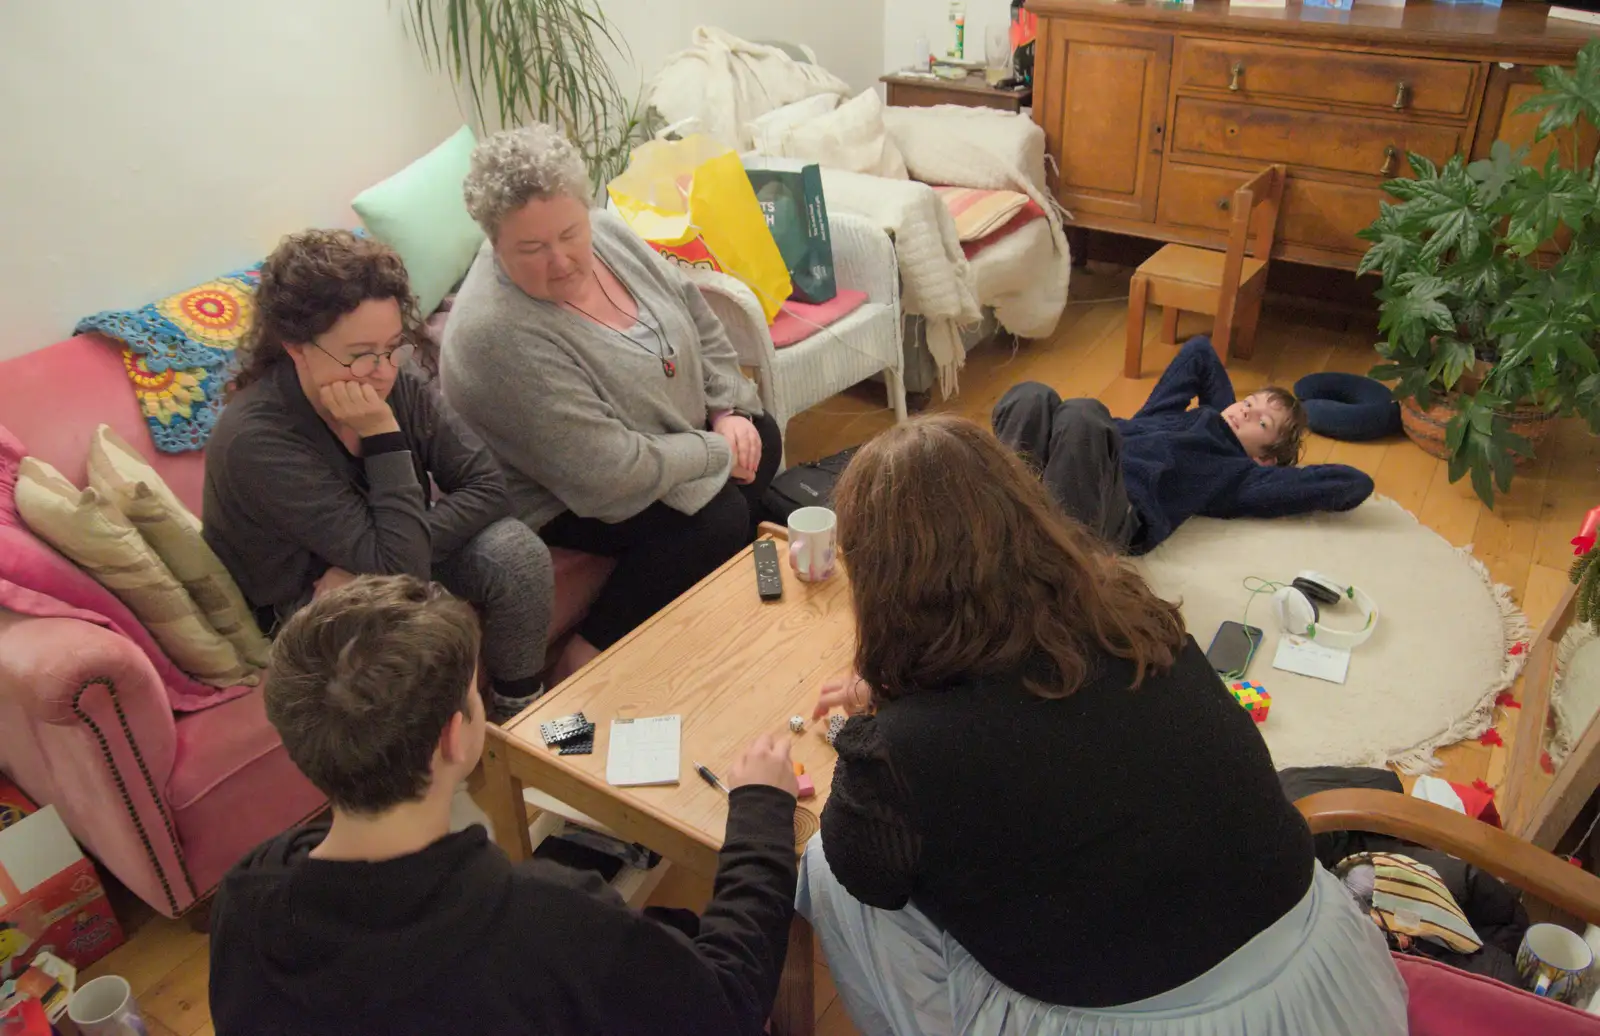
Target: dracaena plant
537, 59
1473, 311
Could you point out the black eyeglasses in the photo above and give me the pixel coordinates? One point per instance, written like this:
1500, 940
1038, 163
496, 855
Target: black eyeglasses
366, 365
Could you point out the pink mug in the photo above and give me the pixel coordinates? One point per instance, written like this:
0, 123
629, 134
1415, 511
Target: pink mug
811, 543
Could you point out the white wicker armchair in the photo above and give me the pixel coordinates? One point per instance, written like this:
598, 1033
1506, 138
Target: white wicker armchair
832, 359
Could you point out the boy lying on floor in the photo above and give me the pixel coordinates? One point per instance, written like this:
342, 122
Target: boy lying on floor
1136, 480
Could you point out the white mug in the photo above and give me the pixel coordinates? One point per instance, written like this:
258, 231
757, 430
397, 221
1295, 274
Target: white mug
811, 543
105, 1007
1553, 961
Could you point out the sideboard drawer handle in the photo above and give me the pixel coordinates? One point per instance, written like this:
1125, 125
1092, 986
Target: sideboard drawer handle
1402, 94
1390, 153
1222, 204
1235, 74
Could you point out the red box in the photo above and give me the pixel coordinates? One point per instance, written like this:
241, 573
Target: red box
50, 896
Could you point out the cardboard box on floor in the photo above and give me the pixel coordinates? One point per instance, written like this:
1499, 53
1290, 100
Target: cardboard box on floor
50, 896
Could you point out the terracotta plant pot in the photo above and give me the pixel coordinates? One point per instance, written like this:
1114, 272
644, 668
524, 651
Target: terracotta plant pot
1427, 427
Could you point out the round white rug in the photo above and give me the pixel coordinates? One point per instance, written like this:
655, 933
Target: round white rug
1446, 643
1575, 692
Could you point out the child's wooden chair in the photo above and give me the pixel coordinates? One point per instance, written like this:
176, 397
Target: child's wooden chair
1228, 285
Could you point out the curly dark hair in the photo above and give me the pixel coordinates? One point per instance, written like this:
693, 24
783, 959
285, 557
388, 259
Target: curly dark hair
311, 280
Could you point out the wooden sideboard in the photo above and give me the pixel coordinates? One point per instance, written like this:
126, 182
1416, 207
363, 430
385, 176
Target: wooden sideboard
1155, 113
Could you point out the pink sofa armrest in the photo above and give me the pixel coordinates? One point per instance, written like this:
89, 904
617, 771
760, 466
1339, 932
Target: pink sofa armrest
85, 725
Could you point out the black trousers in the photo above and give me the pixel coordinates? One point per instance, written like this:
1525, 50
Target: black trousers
662, 552
1077, 450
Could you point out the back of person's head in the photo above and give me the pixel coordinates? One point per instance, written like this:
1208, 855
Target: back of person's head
363, 682
960, 565
1285, 450
311, 280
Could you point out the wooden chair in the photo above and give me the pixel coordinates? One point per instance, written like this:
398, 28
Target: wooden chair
1229, 285
1443, 1000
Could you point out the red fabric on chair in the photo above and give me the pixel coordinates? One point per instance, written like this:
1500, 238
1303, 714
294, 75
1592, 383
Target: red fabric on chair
1446, 1001
797, 321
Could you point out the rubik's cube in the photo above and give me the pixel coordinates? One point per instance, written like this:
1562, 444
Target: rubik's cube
1253, 697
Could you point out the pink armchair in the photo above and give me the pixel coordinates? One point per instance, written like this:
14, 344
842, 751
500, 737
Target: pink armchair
168, 802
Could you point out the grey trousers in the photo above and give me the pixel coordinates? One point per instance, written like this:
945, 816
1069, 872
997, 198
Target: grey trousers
505, 570
1076, 448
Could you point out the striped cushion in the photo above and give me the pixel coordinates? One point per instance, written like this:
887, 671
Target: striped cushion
979, 213
85, 527
1409, 898
119, 474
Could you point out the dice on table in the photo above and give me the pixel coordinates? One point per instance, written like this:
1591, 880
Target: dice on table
1253, 697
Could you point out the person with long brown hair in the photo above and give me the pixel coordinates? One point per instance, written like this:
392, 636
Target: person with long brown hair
1048, 815
324, 464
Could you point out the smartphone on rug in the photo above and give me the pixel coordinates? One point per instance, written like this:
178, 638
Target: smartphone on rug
1232, 649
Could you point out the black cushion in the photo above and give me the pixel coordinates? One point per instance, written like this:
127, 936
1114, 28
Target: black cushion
1349, 407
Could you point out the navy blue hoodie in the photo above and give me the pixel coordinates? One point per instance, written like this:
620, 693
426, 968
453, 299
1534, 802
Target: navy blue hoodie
1178, 462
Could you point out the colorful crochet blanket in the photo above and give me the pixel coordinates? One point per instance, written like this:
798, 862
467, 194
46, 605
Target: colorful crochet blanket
180, 353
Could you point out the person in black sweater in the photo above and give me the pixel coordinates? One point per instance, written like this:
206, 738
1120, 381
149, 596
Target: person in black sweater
336, 457
384, 922
1135, 480
1048, 815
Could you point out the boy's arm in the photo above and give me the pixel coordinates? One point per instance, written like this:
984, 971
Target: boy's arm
1195, 371
1273, 492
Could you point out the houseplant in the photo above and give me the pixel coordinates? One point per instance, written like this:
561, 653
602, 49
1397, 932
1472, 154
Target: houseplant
537, 59
1482, 325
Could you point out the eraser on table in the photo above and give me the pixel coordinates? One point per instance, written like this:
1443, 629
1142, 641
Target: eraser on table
807, 787
799, 768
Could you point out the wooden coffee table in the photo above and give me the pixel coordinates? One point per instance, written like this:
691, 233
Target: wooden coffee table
732, 667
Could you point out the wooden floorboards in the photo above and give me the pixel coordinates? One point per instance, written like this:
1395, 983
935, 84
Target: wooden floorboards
1523, 541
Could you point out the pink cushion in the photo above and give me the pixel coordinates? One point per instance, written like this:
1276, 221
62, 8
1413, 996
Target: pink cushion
798, 321
1445, 1001
36, 581
1027, 214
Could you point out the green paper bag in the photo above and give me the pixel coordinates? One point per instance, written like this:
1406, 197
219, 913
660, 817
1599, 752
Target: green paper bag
797, 215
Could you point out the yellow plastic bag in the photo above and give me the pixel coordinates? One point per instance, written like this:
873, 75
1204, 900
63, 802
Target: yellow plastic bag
691, 200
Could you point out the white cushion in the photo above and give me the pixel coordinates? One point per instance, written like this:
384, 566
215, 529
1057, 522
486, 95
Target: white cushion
852, 137
769, 131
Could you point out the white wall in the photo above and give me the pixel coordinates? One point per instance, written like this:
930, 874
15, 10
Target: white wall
905, 20
846, 34
150, 144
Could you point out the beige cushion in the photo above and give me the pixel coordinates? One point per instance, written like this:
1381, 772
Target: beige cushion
769, 133
119, 474
86, 528
852, 137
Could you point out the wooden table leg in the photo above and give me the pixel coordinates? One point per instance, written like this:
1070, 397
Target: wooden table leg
794, 1012
501, 798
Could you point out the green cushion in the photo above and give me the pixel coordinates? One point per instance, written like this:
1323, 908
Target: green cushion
419, 212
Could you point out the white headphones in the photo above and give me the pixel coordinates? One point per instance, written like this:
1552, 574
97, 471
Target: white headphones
1298, 611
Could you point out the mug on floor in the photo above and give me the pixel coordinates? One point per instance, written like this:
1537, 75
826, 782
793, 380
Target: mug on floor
1553, 961
811, 543
105, 1007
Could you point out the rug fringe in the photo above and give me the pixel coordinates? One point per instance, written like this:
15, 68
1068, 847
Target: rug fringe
1422, 758
1562, 736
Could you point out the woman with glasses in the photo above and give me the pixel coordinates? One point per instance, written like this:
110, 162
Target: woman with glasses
604, 384
335, 457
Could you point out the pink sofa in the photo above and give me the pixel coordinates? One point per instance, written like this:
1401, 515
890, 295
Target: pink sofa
168, 802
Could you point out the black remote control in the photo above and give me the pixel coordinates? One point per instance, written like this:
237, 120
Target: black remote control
769, 581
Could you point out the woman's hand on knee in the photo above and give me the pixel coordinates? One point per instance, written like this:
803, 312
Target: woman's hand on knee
848, 693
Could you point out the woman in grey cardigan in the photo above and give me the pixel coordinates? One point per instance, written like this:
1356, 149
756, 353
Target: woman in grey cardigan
604, 385
324, 464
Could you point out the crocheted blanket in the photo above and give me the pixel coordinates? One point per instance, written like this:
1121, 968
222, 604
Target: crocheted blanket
180, 353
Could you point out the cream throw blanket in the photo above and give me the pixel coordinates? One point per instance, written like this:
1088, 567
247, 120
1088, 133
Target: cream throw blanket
724, 82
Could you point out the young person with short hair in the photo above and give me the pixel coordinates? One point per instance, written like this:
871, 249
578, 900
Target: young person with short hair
1135, 480
383, 921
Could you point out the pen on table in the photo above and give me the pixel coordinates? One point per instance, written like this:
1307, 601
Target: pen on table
710, 778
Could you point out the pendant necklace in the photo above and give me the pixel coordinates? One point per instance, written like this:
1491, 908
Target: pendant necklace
668, 368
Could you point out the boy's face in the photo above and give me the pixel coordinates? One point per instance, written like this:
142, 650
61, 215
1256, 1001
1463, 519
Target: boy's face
1257, 421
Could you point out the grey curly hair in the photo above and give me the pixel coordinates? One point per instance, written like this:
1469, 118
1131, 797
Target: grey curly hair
515, 166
